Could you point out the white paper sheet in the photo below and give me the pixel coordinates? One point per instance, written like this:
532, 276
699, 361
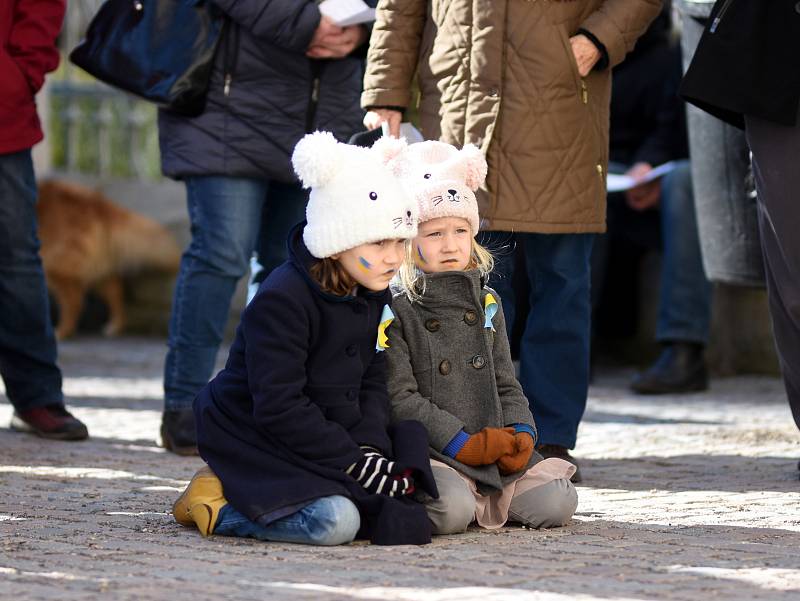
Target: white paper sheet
620, 183
347, 12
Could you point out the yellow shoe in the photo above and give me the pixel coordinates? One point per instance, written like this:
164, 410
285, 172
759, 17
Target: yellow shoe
201, 502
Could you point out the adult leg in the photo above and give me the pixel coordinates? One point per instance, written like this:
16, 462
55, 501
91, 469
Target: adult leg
775, 150
328, 521
224, 213
285, 207
554, 351
454, 510
27, 342
684, 311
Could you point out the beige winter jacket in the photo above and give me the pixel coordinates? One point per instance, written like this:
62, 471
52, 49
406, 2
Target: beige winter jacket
501, 74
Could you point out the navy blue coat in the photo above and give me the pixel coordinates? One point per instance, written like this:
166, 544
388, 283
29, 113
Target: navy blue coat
303, 387
251, 131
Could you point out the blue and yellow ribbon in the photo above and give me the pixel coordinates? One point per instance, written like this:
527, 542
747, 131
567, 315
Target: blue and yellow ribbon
490, 309
387, 317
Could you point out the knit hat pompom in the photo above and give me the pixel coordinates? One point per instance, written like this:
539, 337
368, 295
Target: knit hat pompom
355, 197
314, 159
444, 179
392, 150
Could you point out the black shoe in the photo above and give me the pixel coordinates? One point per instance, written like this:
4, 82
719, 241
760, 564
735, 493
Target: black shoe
178, 432
559, 452
52, 421
681, 367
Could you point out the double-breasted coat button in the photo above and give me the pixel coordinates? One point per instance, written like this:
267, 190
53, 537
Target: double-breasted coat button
444, 367
478, 362
471, 318
433, 325
351, 350
352, 395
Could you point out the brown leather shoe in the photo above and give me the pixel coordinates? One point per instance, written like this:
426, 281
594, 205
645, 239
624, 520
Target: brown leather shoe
554, 450
51, 421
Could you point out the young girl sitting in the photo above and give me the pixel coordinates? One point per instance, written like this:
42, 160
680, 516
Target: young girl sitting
450, 364
295, 429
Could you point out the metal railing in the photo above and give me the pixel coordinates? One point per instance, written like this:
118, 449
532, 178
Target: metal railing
94, 129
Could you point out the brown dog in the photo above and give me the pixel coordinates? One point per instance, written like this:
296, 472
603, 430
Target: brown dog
90, 243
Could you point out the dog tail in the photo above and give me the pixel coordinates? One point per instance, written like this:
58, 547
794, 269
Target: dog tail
142, 244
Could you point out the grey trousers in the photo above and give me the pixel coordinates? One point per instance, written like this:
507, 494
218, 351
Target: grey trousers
546, 506
776, 150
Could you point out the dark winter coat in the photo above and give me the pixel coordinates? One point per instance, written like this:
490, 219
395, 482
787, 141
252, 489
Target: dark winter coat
450, 372
749, 64
648, 122
303, 387
28, 31
276, 95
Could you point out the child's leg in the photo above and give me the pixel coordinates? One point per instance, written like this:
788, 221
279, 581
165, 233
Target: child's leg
330, 520
544, 506
454, 510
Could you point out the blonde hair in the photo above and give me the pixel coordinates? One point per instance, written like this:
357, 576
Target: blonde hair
412, 278
332, 277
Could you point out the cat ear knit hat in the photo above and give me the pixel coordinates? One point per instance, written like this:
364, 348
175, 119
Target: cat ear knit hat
356, 195
443, 180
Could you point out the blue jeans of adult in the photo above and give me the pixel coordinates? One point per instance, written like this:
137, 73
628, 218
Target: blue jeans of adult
684, 308
225, 215
554, 349
27, 342
326, 521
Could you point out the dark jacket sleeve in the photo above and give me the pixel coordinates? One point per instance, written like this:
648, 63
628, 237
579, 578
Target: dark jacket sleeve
407, 402
287, 23
32, 40
668, 139
276, 330
512, 400
372, 430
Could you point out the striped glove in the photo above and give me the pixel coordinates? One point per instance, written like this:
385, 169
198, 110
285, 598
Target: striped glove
379, 476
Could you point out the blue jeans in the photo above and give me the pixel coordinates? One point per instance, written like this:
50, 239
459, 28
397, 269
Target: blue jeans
684, 309
326, 521
225, 215
27, 342
554, 350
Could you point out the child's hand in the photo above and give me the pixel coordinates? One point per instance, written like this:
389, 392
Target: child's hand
380, 476
509, 464
487, 446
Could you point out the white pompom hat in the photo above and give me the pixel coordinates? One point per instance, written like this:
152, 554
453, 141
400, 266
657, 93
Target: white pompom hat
356, 195
444, 179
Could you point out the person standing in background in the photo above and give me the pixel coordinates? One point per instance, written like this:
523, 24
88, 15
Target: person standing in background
746, 71
282, 70
529, 83
28, 31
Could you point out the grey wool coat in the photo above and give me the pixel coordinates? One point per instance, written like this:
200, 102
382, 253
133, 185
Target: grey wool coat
446, 370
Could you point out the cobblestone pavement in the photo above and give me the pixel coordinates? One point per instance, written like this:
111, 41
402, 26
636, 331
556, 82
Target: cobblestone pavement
693, 497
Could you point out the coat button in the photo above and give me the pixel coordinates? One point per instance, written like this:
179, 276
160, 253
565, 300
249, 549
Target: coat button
493, 92
351, 350
352, 395
444, 367
471, 318
433, 325
478, 362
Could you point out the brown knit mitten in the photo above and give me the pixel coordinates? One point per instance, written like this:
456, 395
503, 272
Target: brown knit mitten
509, 464
487, 446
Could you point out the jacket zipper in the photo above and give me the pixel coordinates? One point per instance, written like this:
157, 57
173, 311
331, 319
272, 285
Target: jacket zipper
720, 15
230, 57
311, 111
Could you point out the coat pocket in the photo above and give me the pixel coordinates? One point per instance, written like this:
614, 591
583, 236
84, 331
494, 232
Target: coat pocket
339, 405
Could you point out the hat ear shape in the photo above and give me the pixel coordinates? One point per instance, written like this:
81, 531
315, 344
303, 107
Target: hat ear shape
391, 152
475, 164
315, 159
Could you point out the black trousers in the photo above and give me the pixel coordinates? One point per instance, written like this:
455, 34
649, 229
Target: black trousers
776, 151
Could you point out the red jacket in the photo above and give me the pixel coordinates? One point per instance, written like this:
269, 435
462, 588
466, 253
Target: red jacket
28, 30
